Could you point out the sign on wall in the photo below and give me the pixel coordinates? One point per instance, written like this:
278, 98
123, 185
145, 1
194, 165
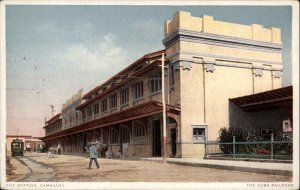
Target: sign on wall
286, 126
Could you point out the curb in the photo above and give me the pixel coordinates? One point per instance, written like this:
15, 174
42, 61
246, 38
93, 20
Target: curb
236, 168
250, 160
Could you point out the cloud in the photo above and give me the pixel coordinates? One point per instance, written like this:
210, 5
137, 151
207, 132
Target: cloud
106, 54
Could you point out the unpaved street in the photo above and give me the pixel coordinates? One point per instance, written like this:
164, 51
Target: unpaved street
75, 169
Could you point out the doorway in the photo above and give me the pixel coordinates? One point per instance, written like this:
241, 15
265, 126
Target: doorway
173, 141
156, 140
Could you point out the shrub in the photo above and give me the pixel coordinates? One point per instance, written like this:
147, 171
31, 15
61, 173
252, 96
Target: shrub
226, 135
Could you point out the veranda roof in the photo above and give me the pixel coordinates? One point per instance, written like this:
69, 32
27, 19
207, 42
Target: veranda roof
135, 112
281, 97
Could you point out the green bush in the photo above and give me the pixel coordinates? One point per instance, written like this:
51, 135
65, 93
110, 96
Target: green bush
226, 135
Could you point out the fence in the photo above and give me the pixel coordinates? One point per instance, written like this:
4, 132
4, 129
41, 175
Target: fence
281, 150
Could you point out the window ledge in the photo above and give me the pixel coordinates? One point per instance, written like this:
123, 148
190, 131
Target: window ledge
198, 142
140, 143
139, 99
113, 109
154, 93
123, 105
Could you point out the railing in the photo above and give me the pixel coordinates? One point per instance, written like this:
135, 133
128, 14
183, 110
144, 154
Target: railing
281, 150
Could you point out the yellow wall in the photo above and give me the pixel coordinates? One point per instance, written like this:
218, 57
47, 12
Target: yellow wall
204, 96
207, 24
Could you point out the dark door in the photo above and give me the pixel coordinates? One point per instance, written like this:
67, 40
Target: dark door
173, 141
156, 138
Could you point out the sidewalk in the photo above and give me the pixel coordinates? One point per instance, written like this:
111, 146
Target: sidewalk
237, 165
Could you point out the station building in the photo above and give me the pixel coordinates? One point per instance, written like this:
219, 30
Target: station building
208, 63
31, 144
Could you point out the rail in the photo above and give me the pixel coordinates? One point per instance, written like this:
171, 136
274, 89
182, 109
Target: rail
281, 150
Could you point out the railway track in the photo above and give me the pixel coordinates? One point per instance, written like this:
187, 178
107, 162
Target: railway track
39, 172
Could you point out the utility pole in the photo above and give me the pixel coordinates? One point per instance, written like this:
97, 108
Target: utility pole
52, 107
164, 108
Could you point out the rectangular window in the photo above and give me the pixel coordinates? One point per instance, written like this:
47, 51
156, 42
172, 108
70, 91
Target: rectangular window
104, 105
114, 136
96, 108
138, 90
266, 133
89, 111
105, 137
113, 101
83, 115
125, 135
124, 96
172, 77
155, 83
199, 133
139, 129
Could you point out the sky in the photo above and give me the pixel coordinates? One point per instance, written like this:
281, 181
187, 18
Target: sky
53, 51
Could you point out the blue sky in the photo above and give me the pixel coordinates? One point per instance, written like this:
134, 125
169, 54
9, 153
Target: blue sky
53, 51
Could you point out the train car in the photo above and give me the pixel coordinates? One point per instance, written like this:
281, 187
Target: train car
17, 147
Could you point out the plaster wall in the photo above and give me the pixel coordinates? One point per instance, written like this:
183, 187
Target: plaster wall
211, 70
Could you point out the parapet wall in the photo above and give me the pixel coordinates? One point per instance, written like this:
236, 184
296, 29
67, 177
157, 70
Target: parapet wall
207, 24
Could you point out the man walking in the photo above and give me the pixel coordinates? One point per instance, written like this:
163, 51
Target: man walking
93, 155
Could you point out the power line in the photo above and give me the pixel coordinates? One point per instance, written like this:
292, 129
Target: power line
21, 88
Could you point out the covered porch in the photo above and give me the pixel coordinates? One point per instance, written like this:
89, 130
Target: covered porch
139, 126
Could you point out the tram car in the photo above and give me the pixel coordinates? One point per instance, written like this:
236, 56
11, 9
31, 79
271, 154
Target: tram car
17, 147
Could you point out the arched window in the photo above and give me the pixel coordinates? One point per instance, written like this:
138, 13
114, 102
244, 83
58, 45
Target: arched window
139, 129
114, 136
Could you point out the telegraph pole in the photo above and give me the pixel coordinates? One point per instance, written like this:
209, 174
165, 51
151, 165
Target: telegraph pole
164, 108
52, 108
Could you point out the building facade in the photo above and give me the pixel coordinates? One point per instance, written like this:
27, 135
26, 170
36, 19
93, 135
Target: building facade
264, 113
215, 61
53, 126
124, 109
70, 116
31, 144
208, 62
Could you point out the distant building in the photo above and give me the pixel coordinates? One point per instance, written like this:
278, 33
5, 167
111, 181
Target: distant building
70, 116
208, 62
31, 144
53, 126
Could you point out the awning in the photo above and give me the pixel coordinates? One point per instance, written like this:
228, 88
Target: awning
282, 97
135, 112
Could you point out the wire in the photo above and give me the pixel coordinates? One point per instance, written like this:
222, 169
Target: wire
21, 89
